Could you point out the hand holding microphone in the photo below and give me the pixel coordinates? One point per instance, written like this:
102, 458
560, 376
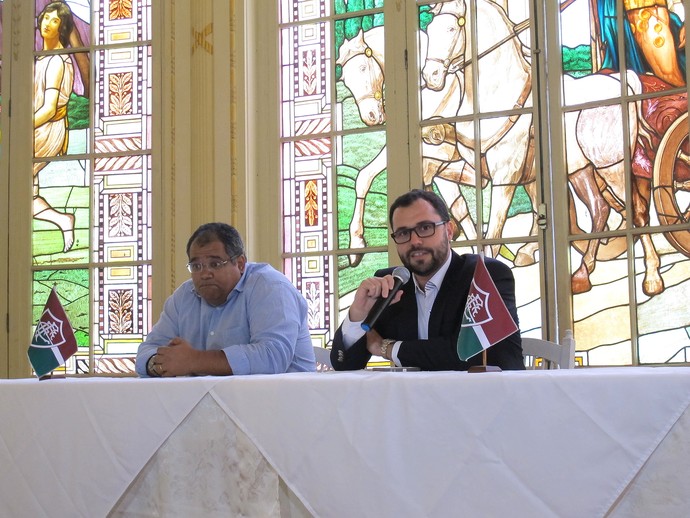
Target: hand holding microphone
400, 275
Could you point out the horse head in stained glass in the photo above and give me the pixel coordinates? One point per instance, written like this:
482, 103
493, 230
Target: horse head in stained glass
361, 59
446, 43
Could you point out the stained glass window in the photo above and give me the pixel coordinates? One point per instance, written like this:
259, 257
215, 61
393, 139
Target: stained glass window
625, 134
477, 133
336, 146
328, 140
579, 184
92, 174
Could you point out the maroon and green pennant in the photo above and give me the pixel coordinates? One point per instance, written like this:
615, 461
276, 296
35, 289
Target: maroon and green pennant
53, 342
486, 319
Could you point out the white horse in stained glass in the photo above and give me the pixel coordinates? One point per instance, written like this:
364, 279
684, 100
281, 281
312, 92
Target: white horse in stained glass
595, 160
362, 72
504, 83
362, 62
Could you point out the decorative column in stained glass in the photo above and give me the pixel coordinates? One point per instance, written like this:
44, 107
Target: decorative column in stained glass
307, 162
122, 181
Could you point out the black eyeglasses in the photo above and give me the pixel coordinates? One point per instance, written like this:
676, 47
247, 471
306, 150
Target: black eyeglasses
424, 229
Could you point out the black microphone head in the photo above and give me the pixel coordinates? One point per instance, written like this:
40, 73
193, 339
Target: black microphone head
402, 273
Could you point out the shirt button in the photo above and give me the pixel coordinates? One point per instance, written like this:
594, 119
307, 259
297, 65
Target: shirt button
212, 333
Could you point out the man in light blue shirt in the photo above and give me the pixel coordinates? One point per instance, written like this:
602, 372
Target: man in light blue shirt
231, 317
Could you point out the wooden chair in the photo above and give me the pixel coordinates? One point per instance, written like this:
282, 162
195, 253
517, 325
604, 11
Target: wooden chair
323, 359
552, 355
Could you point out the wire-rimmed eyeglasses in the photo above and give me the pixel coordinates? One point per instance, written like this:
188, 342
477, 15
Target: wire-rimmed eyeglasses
211, 266
424, 229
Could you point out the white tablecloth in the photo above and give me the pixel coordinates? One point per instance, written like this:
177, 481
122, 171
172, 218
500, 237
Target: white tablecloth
583, 442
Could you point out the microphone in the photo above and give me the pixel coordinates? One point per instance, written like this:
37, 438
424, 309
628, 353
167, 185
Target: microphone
401, 275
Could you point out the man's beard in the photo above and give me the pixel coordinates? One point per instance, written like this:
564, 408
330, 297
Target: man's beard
426, 269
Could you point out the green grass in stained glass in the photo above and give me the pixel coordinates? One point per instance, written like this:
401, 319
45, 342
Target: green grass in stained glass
351, 118
47, 238
375, 209
349, 278
358, 151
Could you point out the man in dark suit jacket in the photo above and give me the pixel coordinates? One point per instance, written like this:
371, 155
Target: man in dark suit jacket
420, 328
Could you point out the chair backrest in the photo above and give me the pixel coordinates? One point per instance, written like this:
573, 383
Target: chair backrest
554, 356
323, 359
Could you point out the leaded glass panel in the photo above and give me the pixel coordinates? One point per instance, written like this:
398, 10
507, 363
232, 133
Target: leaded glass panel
626, 139
615, 155
93, 174
477, 81
331, 152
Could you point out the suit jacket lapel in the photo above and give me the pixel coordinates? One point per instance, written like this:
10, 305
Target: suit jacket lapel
445, 307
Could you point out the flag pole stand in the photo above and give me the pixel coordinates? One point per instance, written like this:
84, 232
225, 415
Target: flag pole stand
51, 376
484, 367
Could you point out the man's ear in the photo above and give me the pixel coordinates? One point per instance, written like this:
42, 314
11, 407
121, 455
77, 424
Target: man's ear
452, 230
241, 262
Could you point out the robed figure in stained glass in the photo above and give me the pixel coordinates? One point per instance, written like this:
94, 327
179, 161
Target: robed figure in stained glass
53, 82
654, 38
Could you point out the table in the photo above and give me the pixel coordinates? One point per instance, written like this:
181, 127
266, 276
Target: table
583, 442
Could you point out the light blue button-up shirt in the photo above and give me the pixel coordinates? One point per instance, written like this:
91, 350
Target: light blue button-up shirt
262, 326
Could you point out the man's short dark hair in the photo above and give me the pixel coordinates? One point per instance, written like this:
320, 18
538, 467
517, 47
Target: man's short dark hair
409, 198
226, 234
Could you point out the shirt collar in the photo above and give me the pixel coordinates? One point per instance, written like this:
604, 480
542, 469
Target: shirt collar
437, 278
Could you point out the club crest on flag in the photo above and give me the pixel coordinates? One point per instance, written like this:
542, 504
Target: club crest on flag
477, 307
48, 331
53, 341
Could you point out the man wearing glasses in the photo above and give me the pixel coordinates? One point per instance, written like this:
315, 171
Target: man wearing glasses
420, 328
231, 317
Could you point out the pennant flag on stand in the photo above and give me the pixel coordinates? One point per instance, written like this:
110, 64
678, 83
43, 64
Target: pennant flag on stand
486, 319
53, 342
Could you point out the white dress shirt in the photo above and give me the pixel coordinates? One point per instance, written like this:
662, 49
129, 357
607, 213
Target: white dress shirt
352, 331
